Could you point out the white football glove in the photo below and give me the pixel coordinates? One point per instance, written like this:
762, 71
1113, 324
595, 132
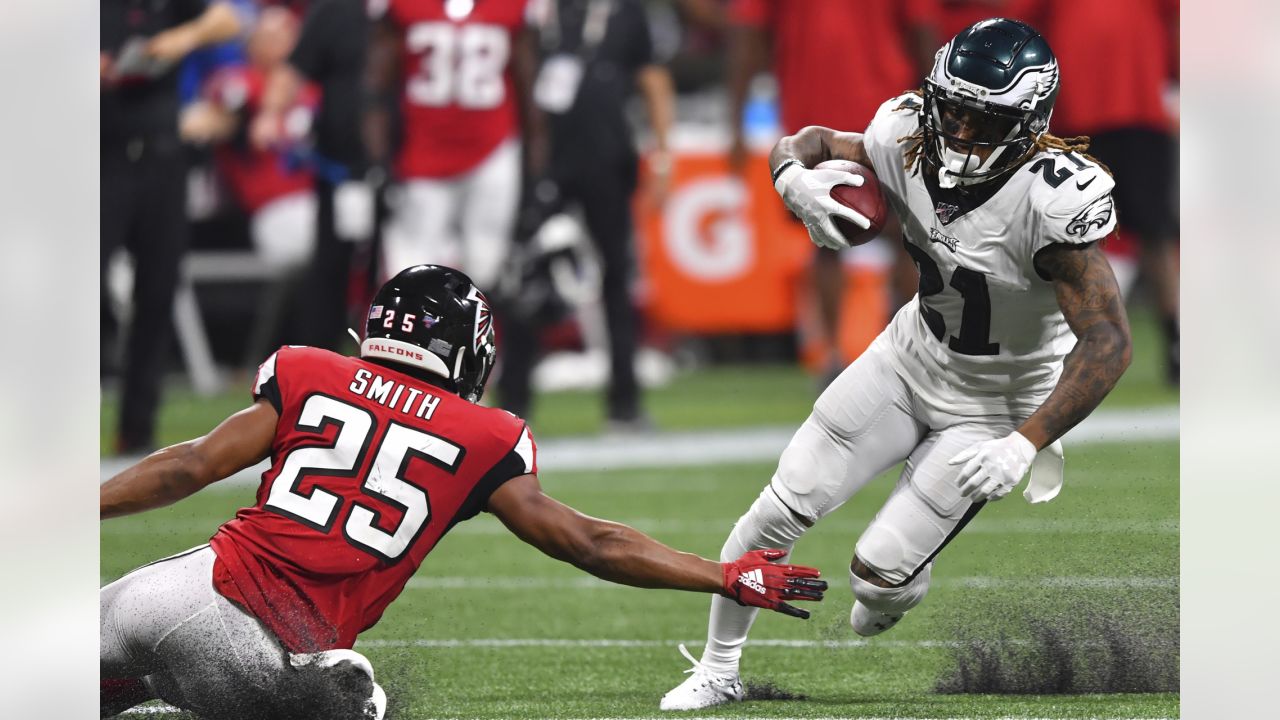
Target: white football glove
807, 193
994, 467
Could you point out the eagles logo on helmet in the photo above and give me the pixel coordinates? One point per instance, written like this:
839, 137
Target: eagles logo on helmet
434, 319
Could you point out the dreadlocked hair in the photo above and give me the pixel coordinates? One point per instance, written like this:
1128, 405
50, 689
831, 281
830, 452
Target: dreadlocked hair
1077, 145
915, 141
1046, 141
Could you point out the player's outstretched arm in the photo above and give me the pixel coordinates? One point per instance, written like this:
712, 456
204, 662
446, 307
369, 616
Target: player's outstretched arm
1091, 303
1094, 308
166, 476
622, 554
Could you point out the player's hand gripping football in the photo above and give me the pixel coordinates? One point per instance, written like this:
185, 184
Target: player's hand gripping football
807, 193
755, 579
994, 467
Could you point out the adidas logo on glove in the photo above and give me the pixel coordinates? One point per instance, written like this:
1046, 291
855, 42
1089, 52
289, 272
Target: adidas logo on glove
753, 579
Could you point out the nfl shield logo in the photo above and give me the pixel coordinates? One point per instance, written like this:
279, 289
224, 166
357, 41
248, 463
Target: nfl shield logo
946, 212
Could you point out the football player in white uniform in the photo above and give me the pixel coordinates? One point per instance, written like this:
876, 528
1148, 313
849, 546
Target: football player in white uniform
1017, 332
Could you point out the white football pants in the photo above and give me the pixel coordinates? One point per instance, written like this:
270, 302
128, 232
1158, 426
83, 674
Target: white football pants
464, 221
193, 647
865, 422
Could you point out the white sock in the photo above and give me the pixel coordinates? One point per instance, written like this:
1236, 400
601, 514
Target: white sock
767, 524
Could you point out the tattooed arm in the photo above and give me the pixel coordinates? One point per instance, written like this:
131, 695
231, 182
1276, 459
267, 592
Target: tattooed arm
1091, 302
815, 144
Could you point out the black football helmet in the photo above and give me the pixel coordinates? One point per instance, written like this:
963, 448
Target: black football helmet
434, 318
999, 78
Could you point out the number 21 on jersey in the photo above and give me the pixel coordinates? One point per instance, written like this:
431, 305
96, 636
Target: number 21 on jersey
459, 64
974, 336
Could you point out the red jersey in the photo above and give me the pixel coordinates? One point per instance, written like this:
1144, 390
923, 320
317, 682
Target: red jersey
256, 177
1116, 59
370, 467
458, 100
836, 61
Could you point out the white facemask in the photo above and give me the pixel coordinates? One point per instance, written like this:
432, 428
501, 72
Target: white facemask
956, 163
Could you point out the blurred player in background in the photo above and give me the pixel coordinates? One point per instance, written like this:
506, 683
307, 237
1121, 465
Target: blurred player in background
1017, 332
459, 72
1122, 60
330, 52
373, 460
144, 182
835, 62
278, 197
279, 200
595, 53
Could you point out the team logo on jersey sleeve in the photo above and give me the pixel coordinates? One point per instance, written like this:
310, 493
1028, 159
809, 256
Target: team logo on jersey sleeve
1095, 214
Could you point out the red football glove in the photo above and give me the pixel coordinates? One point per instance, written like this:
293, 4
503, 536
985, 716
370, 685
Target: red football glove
754, 579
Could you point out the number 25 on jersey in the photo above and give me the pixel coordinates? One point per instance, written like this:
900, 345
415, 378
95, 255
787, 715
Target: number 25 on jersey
385, 479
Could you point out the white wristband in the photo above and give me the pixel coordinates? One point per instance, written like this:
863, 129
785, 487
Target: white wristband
787, 176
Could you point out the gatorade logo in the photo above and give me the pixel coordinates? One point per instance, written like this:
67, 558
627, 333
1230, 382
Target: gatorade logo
705, 231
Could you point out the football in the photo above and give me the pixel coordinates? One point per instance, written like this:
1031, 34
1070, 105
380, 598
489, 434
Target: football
868, 200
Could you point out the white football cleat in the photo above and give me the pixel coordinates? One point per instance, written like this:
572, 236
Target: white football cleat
376, 706
867, 622
703, 688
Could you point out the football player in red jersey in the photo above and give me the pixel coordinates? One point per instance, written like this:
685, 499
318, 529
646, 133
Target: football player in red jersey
373, 460
460, 72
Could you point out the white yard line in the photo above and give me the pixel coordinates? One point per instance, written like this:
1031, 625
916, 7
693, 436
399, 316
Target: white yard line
979, 582
720, 526
756, 444
586, 582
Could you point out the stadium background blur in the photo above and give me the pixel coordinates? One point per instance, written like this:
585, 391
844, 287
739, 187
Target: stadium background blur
723, 275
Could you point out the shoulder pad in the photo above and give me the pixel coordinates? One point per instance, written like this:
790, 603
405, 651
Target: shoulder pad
897, 118
1072, 197
904, 105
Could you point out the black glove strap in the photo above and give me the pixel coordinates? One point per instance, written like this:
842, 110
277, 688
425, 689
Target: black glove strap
777, 172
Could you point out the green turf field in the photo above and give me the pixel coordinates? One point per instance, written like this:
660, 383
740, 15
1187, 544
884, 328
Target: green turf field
491, 629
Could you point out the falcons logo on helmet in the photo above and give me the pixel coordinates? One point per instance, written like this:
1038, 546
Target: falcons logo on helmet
484, 319
1095, 214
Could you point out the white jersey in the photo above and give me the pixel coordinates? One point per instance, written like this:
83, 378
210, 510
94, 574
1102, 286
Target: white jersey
984, 334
